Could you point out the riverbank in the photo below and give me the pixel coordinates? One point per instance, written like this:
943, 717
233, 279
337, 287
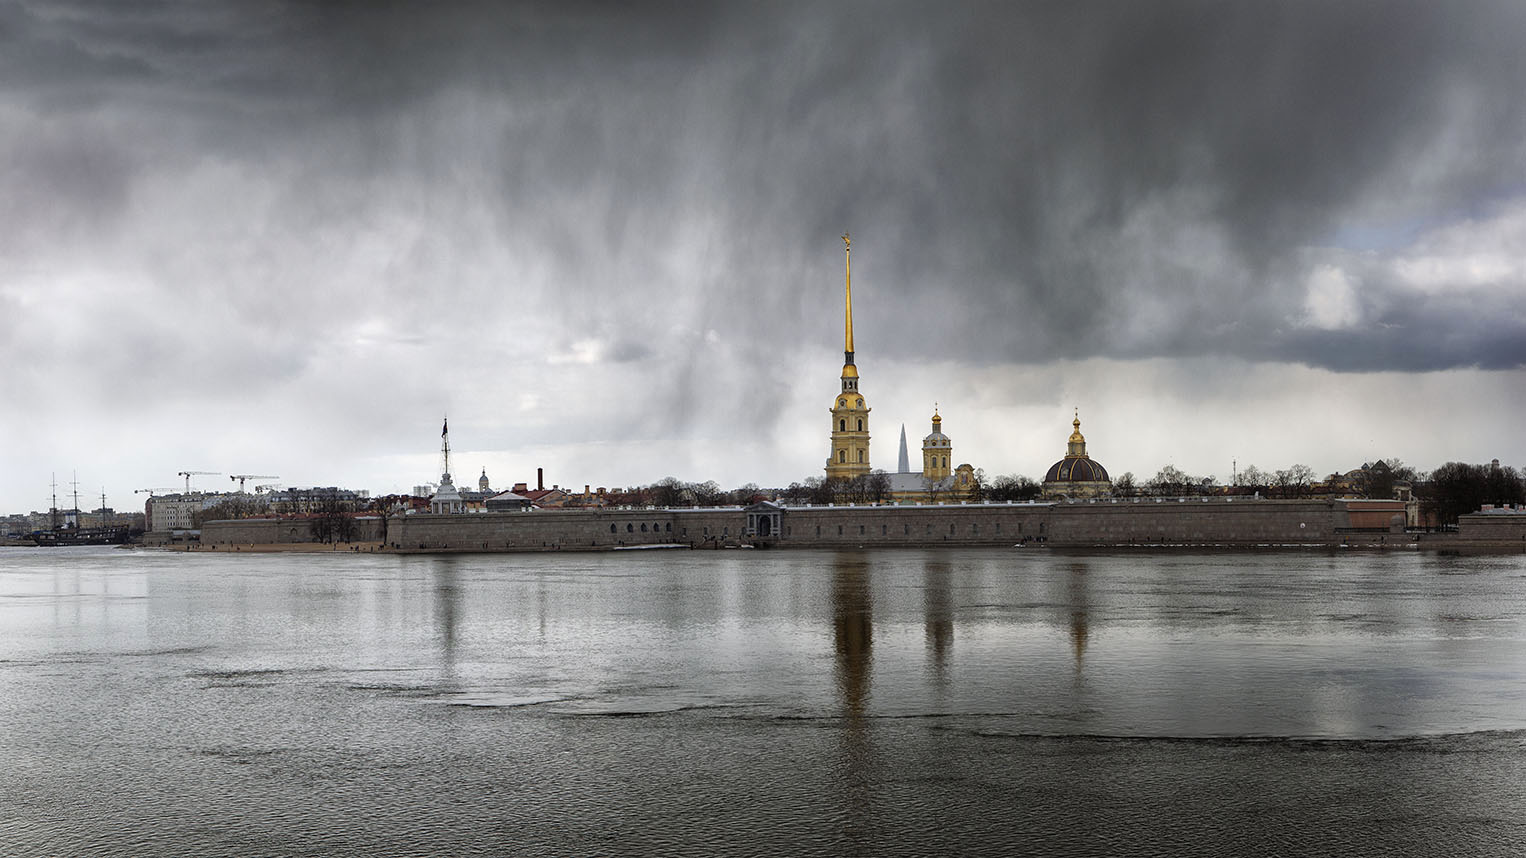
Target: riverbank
275, 548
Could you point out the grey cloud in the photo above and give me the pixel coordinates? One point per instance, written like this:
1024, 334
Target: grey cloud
1025, 181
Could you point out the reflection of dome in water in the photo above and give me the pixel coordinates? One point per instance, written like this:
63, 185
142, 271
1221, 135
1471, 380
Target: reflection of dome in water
1077, 474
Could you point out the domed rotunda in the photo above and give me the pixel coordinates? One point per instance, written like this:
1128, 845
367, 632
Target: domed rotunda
1077, 475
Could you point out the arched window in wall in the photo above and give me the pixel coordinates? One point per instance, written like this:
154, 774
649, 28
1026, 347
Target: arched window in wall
842, 425
861, 424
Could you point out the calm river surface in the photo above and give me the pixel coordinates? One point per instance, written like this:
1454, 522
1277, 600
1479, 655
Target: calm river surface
998, 702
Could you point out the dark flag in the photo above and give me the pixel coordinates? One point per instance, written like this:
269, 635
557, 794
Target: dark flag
445, 429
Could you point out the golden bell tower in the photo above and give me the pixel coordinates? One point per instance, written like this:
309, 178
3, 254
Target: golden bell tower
936, 451
850, 415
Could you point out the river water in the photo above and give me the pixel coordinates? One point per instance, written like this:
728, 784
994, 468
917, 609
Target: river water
975, 702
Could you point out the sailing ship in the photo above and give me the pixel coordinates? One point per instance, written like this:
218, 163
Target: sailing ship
71, 533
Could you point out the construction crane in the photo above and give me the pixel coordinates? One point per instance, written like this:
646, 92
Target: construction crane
189, 474
242, 477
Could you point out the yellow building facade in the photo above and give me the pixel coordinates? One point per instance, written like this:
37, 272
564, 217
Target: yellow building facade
937, 450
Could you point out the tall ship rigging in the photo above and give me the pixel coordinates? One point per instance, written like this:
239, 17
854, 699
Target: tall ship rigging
71, 531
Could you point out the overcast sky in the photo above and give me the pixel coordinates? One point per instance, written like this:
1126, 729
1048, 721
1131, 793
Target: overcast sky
288, 238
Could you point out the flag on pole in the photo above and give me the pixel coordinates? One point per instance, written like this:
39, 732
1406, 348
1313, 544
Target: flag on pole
445, 429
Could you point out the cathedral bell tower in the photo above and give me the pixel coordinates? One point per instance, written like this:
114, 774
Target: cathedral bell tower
936, 450
850, 415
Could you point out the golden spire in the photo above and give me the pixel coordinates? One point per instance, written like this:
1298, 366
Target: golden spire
847, 340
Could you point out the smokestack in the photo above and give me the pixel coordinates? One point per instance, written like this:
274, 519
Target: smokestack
540, 479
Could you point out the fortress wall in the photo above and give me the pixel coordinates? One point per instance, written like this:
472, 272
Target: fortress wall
1199, 521
933, 524
561, 530
1214, 521
275, 531
1492, 527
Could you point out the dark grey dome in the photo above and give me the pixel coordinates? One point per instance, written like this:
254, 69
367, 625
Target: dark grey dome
1075, 469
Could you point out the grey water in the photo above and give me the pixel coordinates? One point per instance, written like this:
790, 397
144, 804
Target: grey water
940, 702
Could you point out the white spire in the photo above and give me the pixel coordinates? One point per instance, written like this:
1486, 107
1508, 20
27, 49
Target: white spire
903, 464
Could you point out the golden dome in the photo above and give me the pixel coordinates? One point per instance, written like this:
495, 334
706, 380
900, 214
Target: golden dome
849, 371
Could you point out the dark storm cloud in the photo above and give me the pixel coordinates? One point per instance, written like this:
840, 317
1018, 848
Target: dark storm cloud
1024, 181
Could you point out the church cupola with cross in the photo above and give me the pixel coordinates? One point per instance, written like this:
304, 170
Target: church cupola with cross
850, 414
937, 450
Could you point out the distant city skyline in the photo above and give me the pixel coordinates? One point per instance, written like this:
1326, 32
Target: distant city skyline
288, 239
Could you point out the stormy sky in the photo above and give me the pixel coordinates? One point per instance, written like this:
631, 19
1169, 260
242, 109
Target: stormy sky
287, 239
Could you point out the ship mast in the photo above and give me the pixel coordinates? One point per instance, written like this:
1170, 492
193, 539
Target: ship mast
53, 509
75, 483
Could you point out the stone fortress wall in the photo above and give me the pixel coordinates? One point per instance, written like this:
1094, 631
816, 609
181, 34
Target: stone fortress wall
272, 531
1239, 522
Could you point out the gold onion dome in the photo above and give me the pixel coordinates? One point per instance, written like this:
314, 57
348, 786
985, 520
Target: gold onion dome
1076, 467
937, 433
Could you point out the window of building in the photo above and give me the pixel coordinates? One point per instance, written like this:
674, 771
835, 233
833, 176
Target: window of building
861, 424
611, 528
860, 530
884, 529
842, 425
860, 403
842, 457
839, 530
860, 457
643, 528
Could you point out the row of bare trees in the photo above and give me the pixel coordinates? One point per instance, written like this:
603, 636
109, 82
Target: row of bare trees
1457, 488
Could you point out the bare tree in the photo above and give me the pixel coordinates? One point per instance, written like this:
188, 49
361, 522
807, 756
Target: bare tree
1124, 486
978, 485
877, 487
1170, 481
332, 521
1253, 477
1011, 487
1294, 482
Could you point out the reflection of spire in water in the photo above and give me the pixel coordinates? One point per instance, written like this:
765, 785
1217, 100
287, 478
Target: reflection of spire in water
1078, 635
1078, 611
447, 593
938, 614
853, 629
853, 637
